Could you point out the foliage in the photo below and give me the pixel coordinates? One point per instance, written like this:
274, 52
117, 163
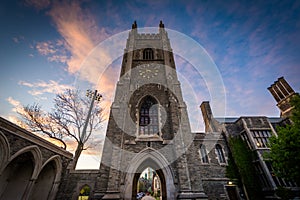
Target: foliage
242, 164
284, 149
85, 191
67, 120
284, 193
232, 171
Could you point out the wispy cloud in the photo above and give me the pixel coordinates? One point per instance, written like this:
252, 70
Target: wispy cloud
17, 108
80, 36
43, 87
38, 4
45, 48
79, 30
54, 51
13, 102
18, 39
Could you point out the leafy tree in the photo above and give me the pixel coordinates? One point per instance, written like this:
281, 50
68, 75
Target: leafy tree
284, 149
67, 120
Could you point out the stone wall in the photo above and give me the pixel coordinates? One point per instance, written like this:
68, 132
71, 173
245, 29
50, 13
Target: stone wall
74, 181
45, 162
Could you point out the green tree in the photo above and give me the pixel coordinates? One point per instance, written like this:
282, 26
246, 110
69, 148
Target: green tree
284, 149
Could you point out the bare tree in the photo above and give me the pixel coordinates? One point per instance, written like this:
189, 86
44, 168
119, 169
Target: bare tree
73, 117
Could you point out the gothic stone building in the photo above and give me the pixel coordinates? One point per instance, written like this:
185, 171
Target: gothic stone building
255, 131
149, 127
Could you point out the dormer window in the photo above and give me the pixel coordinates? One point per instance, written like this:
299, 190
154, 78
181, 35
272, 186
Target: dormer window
148, 54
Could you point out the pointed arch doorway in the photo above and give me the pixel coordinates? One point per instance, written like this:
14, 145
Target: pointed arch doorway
153, 159
163, 189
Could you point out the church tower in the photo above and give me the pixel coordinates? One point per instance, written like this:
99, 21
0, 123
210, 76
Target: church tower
148, 124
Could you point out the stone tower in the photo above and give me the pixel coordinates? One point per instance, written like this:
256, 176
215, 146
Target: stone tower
148, 124
282, 92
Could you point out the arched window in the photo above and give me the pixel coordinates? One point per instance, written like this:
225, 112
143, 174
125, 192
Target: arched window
203, 153
148, 117
220, 153
148, 54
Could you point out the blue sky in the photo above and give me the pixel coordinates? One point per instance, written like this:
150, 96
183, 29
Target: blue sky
44, 43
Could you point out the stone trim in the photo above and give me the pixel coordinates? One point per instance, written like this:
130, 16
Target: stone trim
18, 131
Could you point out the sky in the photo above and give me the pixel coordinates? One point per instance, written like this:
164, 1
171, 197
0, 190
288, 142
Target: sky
44, 45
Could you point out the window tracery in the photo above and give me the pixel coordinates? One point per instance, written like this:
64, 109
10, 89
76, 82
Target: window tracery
148, 117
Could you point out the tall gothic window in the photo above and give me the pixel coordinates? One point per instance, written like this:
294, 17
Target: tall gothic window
204, 157
148, 117
220, 153
148, 54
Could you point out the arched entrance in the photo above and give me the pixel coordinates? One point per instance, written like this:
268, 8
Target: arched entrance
44, 182
153, 159
16, 176
162, 183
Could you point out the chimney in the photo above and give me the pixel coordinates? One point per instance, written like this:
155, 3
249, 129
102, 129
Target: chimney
211, 125
134, 25
282, 93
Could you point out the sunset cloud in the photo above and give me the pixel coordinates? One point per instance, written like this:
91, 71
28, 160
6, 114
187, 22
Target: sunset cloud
78, 50
17, 108
54, 51
45, 48
14, 102
43, 87
79, 30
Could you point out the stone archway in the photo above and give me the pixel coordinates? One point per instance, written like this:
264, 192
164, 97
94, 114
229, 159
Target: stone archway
19, 173
16, 177
162, 181
44, 182
153, 159
4, 151
46, 185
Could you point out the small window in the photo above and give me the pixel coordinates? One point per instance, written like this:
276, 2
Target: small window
148, 54
220, 154
203, 154
261, 138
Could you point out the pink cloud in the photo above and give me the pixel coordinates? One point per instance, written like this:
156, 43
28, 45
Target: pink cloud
78, 29
45, 48
17, 108
54, 51
42, 87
